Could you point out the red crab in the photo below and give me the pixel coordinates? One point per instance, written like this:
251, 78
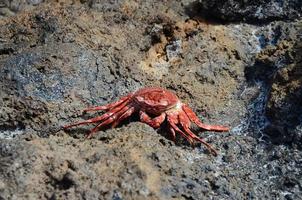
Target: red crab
154, 101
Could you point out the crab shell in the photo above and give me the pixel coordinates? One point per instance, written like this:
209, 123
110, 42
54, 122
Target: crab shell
155, 100
161, 104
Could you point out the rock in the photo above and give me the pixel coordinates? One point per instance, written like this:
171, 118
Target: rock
277, 65
174, 50
284, 107
8, 8
259, 11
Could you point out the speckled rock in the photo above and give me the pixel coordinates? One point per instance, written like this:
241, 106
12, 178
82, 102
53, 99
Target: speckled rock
258, 11
284, 107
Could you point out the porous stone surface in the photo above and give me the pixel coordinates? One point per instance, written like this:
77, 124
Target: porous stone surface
257, 12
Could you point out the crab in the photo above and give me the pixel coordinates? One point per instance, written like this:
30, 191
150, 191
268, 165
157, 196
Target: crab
154, 105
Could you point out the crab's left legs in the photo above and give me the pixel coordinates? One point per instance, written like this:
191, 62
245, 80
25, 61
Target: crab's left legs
192, 116
155, 122
125, 115
99, 118
89, 121
108, 121
185, 123
110, 105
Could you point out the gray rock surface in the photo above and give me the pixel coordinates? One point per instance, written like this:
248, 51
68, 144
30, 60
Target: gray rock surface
256, 12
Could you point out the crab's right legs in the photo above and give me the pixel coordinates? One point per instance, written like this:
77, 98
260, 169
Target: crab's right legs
185, 123
173, 133
192, 116
155, 122
173, 121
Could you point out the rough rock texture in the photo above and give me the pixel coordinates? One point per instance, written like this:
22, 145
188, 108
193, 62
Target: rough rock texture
257, 11
279, 66
57, 58
284, 104
134, 162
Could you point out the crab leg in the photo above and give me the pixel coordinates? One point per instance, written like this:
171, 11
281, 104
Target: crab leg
155, 122
192, 116
107, 121
99, 118
172, 122
126, 114
108, 106
172, 132
185, 123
